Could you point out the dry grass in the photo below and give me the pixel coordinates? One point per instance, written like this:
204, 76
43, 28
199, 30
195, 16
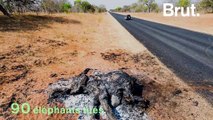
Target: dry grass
34, 47
38, 50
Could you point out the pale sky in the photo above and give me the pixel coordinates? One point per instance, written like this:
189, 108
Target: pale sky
111, 4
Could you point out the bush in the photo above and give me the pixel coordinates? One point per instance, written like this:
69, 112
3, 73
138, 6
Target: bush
87, 7
66, 7
207, 5
140, 6
100, 9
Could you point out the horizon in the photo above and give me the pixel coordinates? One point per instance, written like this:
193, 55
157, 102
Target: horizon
112, 4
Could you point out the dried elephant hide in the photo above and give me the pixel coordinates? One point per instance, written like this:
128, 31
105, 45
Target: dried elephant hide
109, 90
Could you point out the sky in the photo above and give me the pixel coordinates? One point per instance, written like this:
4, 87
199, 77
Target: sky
111, 4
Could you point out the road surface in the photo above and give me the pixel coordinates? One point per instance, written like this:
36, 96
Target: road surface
187, 53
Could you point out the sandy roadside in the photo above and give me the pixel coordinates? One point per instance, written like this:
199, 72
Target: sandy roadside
203, 24
64, 49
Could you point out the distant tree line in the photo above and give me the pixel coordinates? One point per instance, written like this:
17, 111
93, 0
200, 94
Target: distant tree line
7, 7
86, 7
140, 6
203, 5
152, 6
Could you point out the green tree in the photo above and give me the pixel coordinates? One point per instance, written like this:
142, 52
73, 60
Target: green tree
52, 6
83, 6
66, 7
126, 8
183, 3
207, 5
154, 7
133, 7
139, 8
118, 9
87, 7
77, 5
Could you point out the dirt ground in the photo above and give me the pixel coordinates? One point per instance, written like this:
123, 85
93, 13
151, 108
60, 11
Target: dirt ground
38, 50
203, 23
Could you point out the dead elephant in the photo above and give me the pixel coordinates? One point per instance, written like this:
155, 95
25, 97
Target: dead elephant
109, 90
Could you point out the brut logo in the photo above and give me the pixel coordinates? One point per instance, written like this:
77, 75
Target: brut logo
170, 10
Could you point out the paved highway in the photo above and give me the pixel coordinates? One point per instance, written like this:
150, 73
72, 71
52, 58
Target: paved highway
187, 53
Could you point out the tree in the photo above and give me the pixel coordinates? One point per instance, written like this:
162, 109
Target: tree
207, 5
183, 3
77, 5
87, 7
126, 8
66, 7
10, 6
4, 11
154, 7
140, 6
118, 9
48, 6
133, 7
100, 8
150, 4
52, 6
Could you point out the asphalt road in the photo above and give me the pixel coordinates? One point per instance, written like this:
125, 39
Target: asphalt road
187, 53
